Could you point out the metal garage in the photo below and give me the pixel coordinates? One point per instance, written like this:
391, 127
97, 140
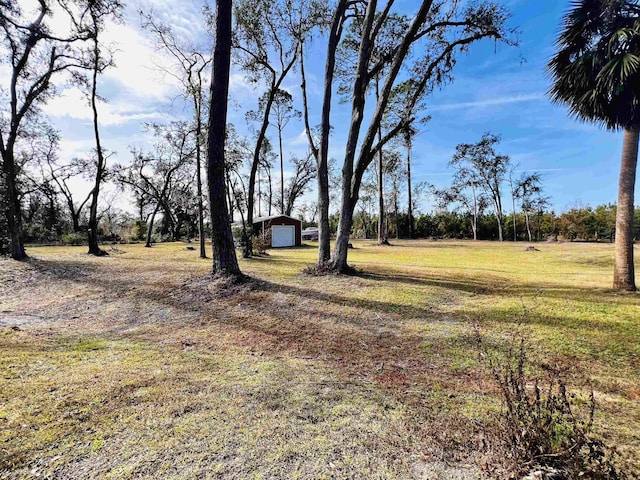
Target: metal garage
285, 231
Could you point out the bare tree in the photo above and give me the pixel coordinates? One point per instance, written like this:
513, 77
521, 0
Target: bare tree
282, 112
35, 55
485, 169
99, 58
190, 65
157, 174
440, 33
304, 172
61, 175
267, 51
529, 192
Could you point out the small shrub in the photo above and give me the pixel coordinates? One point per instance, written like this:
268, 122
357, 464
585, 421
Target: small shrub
138, 230
261, 243
74, 238
238, 236
542, 428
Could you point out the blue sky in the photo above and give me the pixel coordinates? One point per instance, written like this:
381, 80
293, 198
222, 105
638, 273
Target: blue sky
494, 90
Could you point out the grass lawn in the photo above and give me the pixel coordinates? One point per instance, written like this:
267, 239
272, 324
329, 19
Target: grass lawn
134, 365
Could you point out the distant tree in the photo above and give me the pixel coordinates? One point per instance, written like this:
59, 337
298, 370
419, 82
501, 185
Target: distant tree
605, 219
189, 66
481, 166
238, 152
464, 196
267, 157
433, 35
99, 59
62, 175
35, 55
267, 47
155, 173
577, 223
514, 196
37, 190
282, 112
225, 262
528, 189
596, 72
304, 171
408, 133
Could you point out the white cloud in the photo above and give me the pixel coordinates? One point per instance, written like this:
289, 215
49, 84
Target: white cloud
72, 103
74, 148
489, 102
140, 67
299, 140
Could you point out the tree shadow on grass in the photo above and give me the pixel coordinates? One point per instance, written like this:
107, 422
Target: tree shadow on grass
493, 285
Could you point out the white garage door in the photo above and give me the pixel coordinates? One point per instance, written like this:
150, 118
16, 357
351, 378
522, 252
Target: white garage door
283, 236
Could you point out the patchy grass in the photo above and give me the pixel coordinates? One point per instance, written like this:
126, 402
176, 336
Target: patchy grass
135, 365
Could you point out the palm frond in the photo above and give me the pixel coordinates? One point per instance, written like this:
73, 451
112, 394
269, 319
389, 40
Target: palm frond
596, 70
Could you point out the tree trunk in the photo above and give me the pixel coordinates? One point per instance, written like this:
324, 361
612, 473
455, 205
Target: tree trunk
513, 209
13, 213
150, 226
225, 261
259, 194
623, 274
410, 205
230, 201
341, 249
395, 211
270, 184
527, 223
324, 247
201, 235
75, 219
281, 169
382, 235
92, 232
475, 212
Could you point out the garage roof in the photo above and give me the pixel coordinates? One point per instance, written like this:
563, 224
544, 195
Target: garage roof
265, 219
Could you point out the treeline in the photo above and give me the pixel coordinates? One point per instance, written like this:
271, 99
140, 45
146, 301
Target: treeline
48, 222
577, 224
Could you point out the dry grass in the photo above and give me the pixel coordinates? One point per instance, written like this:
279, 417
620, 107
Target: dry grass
136, 365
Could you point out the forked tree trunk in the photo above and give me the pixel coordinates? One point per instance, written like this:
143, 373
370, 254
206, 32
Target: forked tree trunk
225, 261
623, 274
341, 248
324, 247
527, 223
